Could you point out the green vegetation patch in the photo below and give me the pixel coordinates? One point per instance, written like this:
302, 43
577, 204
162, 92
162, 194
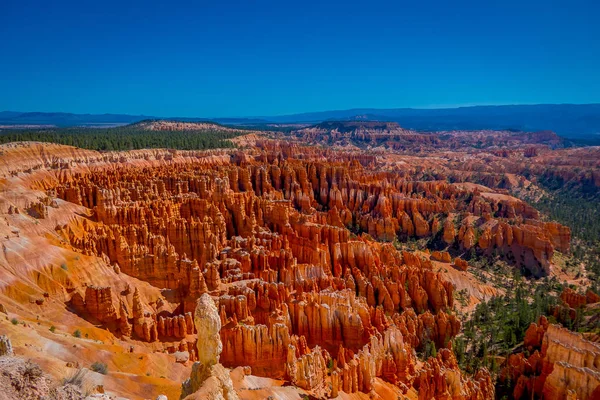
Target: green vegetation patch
129, 137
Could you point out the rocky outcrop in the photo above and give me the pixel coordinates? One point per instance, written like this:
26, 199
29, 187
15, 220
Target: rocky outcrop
461, 264
138, 320
125, 328
38, 210
535, 334
572, 298
562, 365
592, 297
144, 324
262, 348
441, 378
99, 304
209, 379
575, 362
6, 348
531, 244
576, 300
442, 256
177, 326
307, 371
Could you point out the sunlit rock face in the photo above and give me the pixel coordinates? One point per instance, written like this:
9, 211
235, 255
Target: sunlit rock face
208, 380
561, 365
208, 326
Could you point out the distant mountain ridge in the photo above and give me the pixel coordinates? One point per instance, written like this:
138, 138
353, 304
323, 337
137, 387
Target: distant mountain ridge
569, 120
61, 119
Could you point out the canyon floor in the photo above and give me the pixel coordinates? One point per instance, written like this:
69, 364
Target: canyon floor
334, 261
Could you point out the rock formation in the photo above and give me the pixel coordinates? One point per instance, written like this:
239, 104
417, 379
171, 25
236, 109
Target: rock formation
562, 365
208, 380
297, 246
98, 303
305, 290
5, 346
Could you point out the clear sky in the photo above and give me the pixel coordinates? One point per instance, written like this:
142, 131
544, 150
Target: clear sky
242, 58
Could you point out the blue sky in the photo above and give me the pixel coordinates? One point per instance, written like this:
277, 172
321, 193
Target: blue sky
243, 58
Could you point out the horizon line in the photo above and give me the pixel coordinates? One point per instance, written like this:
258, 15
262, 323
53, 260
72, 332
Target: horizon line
432, 107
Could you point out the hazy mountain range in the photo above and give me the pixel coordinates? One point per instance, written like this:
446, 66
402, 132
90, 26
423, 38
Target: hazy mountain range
569, 120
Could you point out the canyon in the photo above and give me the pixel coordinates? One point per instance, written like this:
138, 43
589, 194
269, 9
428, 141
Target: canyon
278, 269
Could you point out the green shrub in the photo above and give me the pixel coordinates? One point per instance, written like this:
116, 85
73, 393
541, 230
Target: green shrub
99, 367
77, 333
